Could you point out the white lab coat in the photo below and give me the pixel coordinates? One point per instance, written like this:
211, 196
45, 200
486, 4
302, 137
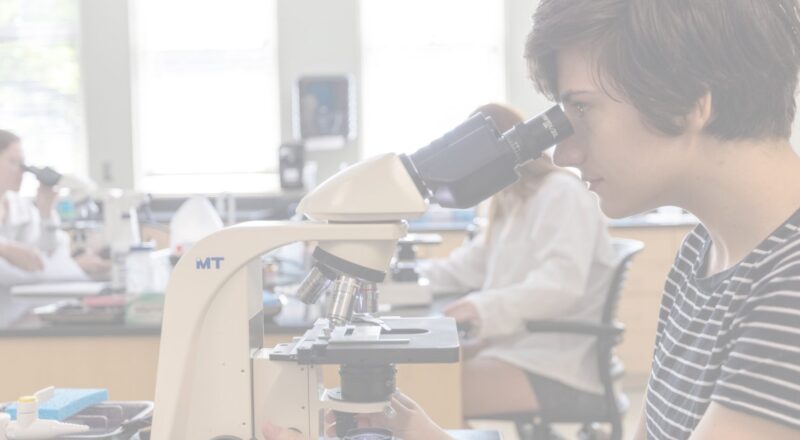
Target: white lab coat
23, 224
550, 258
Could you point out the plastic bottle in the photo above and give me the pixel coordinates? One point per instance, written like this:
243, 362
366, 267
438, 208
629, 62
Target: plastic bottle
29, 426
118, 269
138, 277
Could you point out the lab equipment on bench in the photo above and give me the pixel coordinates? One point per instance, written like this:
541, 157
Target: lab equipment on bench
406, 287
28, 425
73, 414
121, 222
120, 216
215, 380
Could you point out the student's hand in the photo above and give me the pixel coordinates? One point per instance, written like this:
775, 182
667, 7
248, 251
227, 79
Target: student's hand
46, 197
410, 422
93, 264
463, 310
273, 432
22, 256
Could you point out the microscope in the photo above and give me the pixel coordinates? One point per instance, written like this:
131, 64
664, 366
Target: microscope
216, 381
120, 219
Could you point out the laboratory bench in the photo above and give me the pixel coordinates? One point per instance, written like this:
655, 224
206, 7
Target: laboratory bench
123, 358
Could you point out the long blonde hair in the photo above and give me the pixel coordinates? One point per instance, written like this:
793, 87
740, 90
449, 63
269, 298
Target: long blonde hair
531, 175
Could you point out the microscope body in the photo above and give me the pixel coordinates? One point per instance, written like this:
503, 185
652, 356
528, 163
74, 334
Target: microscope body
215, 381
213, 331
211, 358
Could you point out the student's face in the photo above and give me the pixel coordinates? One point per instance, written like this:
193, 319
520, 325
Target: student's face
11, 161
630, 167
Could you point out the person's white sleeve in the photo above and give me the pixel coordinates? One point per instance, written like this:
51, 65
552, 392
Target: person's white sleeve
566, 225
11, 275
33, 229
462, 271
51, 238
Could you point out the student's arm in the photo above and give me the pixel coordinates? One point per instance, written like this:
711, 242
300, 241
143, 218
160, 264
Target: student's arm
21, 256
35, 229
720, 422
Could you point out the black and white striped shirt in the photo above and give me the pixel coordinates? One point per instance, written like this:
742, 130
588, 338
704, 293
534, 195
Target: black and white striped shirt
731, 338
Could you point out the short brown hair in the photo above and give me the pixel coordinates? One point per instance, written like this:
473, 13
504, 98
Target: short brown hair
6, 139
664, 55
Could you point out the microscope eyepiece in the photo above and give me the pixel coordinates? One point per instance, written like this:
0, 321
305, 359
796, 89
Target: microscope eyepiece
474, 161
46, 176
529, 139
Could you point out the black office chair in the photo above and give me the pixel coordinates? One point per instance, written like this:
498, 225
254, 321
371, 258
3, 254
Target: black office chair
594, 410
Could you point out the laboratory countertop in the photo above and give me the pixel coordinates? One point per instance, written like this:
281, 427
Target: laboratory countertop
653, 220
16, 320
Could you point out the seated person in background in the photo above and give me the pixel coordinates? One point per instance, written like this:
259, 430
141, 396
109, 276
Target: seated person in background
29, 232
546, 254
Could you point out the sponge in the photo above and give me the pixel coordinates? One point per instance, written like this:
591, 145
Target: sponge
65, 403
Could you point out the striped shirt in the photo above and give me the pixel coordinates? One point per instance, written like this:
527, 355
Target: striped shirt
731, 338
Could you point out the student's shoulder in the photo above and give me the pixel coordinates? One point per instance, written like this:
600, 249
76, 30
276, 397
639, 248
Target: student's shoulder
778, 267
695, 241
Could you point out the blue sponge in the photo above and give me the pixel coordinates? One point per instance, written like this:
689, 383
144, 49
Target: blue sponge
65, 403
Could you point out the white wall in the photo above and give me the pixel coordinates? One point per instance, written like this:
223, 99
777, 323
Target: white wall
314, 37
106, 75
519, 88
318, 37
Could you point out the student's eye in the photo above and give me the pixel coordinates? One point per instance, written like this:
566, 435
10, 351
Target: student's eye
580, 108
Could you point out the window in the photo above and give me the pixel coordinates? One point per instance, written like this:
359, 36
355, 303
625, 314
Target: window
206, 96
426, 66
40, 94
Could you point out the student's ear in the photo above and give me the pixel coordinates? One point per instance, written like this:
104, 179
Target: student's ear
700, 114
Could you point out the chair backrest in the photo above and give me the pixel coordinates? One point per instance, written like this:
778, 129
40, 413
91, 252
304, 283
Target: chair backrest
625, 249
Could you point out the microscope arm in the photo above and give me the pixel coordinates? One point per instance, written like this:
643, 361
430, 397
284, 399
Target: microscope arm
205, 350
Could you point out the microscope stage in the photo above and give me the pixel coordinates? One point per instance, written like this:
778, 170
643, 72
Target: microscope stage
400, 341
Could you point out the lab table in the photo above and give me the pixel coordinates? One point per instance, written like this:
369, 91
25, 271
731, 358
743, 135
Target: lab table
123, 358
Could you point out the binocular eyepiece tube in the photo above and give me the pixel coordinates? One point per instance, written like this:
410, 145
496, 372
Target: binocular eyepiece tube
474, 160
